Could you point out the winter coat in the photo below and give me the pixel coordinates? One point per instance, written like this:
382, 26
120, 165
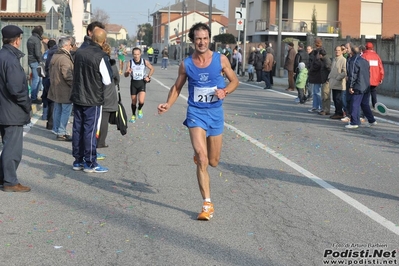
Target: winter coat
61, 77
337, 75
251, 58
325, 68
15, 104
289, 60
376, 67
34, 46
301, 78
268, 64
301, 56
259, 59
110, 96
358, 74
88, 87
315, 64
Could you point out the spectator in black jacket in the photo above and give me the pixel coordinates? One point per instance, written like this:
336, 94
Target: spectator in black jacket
259, 59
89, 32
48, 104
301, 56
92, 70
15, 108
251, 62
34, 46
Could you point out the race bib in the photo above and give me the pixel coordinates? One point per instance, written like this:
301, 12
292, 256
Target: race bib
205, 95
137, 75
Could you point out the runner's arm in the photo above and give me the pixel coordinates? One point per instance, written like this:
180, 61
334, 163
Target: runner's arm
174, 92
128, 69
231, 76
150, 67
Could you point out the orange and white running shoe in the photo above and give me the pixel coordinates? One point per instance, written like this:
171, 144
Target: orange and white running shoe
207, 211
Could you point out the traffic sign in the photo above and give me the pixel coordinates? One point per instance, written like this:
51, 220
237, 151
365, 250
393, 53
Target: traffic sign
239, 24
178, 40
241, 12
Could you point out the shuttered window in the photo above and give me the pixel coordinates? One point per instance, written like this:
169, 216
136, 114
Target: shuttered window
3, 5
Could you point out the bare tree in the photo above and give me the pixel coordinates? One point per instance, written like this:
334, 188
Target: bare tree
100, 15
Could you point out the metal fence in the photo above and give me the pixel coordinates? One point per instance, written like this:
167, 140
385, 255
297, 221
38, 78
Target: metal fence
25, 36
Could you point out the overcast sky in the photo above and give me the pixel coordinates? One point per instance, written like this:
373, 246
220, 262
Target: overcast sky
130, 13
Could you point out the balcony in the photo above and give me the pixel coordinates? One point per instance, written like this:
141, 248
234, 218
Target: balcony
299, 26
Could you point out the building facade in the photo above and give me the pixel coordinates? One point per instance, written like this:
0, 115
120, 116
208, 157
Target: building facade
172, 23
334, 18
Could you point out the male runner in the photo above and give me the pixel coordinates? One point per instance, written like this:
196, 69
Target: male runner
205, 117
136, 69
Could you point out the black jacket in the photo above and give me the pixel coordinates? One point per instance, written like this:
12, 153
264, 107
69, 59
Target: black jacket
110, 97
34, 46
314, 69
251, 58
325, 69
88, 87
301, 56
15, 104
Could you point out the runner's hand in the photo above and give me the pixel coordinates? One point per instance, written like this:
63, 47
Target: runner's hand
162, 108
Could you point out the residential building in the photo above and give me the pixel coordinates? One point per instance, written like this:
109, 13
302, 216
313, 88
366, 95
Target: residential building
116, 32
172, 23
334, 17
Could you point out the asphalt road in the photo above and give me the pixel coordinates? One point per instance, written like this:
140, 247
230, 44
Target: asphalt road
292, 187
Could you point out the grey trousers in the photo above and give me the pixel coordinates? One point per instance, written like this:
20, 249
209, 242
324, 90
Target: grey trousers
11, 155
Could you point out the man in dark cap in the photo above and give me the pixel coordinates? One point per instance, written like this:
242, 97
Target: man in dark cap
15, 108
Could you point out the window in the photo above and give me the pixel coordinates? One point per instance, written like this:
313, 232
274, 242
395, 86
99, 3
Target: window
3, 5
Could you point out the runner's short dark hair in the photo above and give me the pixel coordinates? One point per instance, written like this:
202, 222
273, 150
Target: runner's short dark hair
198, 26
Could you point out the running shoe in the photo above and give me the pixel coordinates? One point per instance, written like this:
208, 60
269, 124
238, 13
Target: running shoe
345, 119
97, 169
351, 126
101, 156
78, 166
140, 115
133, 119
207, 212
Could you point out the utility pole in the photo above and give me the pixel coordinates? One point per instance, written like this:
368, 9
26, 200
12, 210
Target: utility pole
245, 39
210, 16
182, 30
280, 25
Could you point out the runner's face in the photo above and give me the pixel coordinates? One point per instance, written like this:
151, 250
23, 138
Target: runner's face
201, 40
136, 56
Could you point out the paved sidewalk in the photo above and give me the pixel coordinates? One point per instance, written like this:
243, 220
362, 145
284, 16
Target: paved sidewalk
390, 102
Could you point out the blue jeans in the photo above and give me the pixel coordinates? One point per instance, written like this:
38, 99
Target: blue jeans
344, 103
251, 68
61, 114
266, 78
316, 91
35, 84
164, 62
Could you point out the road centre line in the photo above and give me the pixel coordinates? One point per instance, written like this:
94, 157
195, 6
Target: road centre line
341, 195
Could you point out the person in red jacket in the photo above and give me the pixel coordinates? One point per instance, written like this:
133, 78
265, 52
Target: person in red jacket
376, 70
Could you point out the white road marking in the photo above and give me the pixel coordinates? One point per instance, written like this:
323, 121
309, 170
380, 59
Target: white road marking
346, 198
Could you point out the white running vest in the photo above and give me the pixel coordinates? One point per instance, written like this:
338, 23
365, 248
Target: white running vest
138, 71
